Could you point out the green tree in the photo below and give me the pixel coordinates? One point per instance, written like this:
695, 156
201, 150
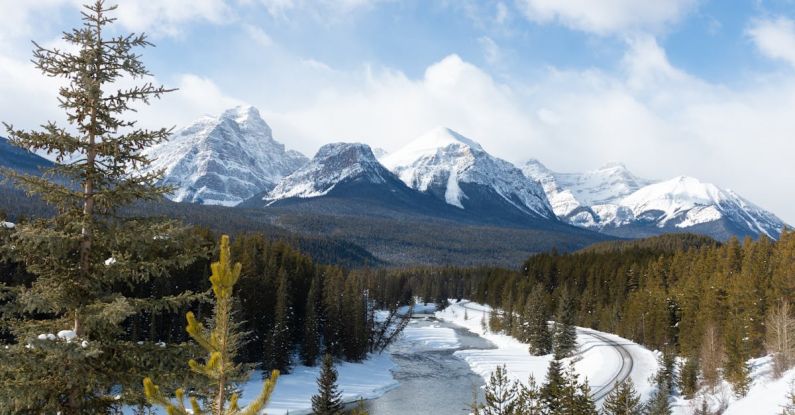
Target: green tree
565, 332
279, 344
528, 398
500, 394
623, 400
221, 343
554, 387
87, 258
328, 400
310, 349
688, 377
535, 328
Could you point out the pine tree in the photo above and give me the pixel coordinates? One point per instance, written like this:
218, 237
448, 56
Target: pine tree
688, 377
279, 343
528, 399
500, 394
87, 258
554, 386
328, 400
565, 332
659, 403
584, 404
536, 329
623, 400
310, 349
221, 343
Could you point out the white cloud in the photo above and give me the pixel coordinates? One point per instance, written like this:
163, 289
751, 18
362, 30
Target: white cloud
491, 51
775, 38
169, 17
23, 19
502, 13
607, 17
258, 35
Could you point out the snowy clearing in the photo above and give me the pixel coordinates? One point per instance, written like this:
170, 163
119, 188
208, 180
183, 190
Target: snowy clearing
765, 396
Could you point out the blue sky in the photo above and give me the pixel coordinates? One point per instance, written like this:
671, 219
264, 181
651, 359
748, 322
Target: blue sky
674, 87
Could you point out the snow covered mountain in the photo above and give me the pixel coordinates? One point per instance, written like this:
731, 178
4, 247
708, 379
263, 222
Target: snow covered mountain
460, 172
614, 201
332, 165
224, 160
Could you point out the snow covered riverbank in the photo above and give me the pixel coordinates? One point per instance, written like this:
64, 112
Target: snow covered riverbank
598, 360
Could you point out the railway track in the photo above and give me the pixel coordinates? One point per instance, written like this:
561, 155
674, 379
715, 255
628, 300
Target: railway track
623, 372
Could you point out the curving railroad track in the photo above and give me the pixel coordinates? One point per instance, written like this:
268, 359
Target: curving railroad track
623, 372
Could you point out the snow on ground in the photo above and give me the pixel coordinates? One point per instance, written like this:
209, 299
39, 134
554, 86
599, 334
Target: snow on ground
366, 380
597, 361
766, 395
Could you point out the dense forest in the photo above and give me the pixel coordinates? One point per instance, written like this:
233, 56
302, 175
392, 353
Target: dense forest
715, 304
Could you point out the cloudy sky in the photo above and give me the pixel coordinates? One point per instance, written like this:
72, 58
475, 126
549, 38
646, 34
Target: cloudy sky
672, 87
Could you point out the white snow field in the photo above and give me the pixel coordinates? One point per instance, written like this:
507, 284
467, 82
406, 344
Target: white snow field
766, 396
599, 360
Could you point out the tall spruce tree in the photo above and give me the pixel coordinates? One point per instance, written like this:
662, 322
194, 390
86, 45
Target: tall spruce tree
221, 343
623, 400
310, 349
535, 328
328, 400
86, 258
501, 394
279, 343
565, 332
554, 387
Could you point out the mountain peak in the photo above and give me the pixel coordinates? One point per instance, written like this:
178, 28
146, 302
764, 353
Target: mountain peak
613, 165
223, 160
248, 117
333, 164
352, 152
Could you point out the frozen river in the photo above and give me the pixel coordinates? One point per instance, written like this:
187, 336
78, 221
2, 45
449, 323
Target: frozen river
432, 380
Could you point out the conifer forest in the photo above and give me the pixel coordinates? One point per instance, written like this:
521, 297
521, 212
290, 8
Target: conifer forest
206, 269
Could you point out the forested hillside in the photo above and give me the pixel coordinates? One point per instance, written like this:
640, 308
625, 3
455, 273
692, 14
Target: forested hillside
715, 304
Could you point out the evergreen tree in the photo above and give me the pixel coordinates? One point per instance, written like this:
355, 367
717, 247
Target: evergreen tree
565, 332
554, 388
221, 343
279, 343
536, 329
659, 403
500, 394
528, 399
623, 400
310, 349
86, 259
328, 400
584, 404
688, 377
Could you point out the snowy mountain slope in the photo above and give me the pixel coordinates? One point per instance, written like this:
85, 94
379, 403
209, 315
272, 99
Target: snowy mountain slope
224, 160
613, 200
573, 194
460, 172
333, 164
